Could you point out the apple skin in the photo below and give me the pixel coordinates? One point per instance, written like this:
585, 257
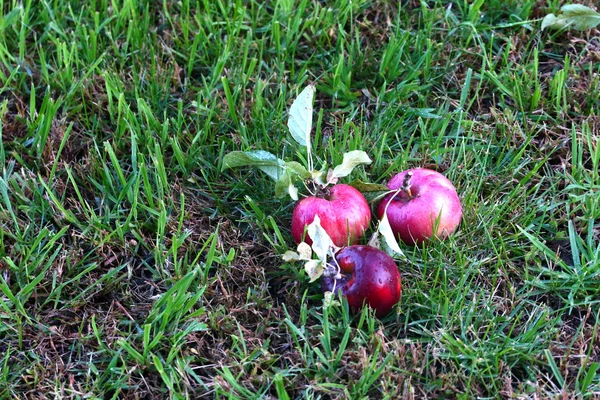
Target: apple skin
413, 219
344, 212
368, 276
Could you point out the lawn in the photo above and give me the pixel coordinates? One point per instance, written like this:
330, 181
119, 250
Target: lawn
133, 265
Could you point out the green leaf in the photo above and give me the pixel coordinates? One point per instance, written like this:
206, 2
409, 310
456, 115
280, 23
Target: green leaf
298, 169
285, 185
551, 21
367, 187
574, 16
351, 160
300, 121
265, 161
372, 191
8, 19
280, 387
292, 170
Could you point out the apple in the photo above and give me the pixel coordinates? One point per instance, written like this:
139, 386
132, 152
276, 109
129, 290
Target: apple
344, 212
367, 275
427, 200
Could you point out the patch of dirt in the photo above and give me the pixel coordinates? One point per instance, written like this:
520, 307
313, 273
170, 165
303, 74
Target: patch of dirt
575, 346
14, 126
240, 307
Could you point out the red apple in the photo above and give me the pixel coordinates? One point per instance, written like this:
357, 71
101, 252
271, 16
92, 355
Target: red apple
427, 200
344, 213
368, 276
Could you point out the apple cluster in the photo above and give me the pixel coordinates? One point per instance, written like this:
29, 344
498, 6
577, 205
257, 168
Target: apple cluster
422, 204
419, 205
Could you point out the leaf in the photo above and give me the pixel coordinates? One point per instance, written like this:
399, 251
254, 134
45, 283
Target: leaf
304, 251
551, 21
365, 187
321, 240
294, 167
293, 192
314, 269
284, 185
425, 113
290, 255
578, 10
351, 160
319, 178
574, 16
322, 246
372, 191
374, 241
300, 121
329, 300
388, 235
9, 18
265, 161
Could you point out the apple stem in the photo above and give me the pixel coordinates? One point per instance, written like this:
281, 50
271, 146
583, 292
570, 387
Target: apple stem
311, 187
406, 185
333, 270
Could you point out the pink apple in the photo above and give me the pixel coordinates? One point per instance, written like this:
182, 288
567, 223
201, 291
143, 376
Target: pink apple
427, 200
368, 275
344, 213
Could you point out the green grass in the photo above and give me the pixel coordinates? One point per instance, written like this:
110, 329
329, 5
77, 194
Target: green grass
132, 266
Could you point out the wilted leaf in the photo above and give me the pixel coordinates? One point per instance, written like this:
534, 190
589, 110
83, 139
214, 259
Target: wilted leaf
329, 300
321, 240
319, 177
293, 192
574, 16
314, 269
265, 161
374, 241
300, 121
331, 179
291, 255
351, 160
304, 251
388, 235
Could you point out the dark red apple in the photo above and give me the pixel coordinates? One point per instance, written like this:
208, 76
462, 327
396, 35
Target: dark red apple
427, 200
368, 275
344, 213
